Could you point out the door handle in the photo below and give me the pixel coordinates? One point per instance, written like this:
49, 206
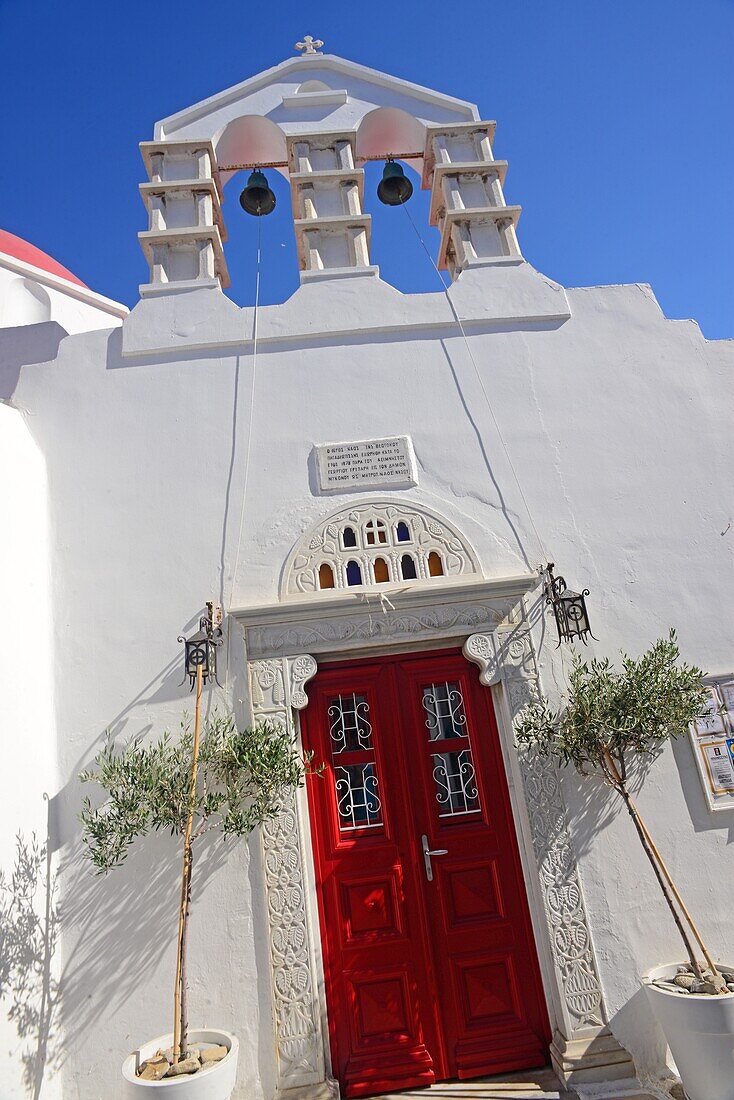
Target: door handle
427, 853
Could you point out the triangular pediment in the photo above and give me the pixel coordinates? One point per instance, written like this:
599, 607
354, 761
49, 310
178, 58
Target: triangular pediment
310, 93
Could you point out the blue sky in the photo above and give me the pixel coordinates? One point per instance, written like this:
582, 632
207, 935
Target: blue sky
615, 116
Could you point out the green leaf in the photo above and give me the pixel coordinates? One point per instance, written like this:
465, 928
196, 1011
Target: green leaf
243, 778
614, 713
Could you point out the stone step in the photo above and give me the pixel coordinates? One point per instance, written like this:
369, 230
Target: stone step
542, 1085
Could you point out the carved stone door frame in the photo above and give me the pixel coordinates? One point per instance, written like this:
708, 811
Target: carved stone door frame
489, 619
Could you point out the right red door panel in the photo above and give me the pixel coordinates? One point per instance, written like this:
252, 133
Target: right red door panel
491, 1005
430, 966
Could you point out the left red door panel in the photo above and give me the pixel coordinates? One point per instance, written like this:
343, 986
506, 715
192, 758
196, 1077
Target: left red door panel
379, 983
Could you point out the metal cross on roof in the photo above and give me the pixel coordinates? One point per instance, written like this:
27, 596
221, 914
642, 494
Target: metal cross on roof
309, 44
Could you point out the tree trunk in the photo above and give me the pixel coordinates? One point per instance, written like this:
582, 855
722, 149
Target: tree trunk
179, 994
184, 945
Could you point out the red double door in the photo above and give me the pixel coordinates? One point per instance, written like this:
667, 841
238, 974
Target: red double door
430, 965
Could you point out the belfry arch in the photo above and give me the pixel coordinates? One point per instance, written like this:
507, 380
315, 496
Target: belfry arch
249, 140
391, 131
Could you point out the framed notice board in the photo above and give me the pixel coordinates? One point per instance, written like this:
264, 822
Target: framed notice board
712, 739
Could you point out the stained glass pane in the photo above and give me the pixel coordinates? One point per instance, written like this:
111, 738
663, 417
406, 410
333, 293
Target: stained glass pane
326, 576
435, 565
357, 799
349, 726
354, 573
407, 568
381, 571
375, 532
456, 789
444, 707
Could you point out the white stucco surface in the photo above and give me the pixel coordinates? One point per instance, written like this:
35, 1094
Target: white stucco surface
617, 423
30, 772
123, 515
30, 296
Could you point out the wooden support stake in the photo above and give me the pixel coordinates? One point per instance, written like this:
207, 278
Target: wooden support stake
178, 1026
676, 893
613, 770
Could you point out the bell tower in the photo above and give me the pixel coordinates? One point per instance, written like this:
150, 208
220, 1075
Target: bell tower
317, 119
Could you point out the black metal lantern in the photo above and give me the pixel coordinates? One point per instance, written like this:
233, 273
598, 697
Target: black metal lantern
257, 198
394, 188
569, 608
200, 650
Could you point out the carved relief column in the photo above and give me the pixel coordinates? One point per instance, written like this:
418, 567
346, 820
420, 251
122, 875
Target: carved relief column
583, 1048
277, 690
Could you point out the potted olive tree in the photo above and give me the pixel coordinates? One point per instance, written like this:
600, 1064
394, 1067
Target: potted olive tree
611, 720
223, 780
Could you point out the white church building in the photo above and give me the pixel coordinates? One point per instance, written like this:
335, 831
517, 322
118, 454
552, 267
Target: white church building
370, 483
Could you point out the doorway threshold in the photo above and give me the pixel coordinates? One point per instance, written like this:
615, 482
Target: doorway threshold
534, 1085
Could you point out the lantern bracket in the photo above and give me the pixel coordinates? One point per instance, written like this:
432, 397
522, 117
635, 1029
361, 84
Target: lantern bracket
200, 650
569, 608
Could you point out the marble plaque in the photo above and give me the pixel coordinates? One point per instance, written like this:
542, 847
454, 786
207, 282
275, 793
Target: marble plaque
366, 464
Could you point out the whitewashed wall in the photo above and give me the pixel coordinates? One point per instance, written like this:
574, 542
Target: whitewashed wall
29, 296
618, 423
29, 768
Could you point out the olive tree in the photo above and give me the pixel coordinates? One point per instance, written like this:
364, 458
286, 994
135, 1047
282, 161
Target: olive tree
612, 718
242, 779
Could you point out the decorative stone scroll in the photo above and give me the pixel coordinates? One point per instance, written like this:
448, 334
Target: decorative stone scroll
278, 688
512, 660
482, 650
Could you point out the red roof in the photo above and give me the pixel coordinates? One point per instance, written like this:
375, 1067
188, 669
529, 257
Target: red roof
22, 250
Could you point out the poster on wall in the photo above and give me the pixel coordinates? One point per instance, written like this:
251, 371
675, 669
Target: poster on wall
712, 740
726, 687
720, 766
711, 721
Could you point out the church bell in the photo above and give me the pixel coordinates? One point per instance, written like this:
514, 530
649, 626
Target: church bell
257, 198
394, 188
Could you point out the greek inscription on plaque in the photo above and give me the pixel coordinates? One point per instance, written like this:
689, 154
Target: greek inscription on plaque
365, 464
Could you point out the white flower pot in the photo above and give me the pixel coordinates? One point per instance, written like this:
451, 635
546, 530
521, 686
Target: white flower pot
700, 1033
216, 1082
